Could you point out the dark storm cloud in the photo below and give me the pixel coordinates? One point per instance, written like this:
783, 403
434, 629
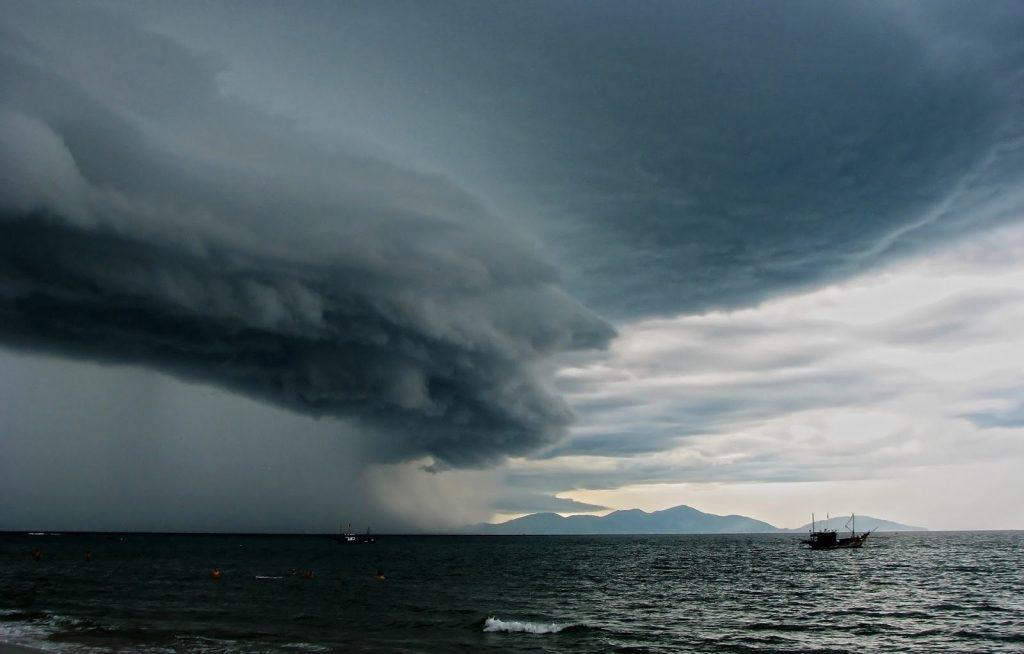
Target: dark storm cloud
680, 156
148, 220
734, 150
753, 149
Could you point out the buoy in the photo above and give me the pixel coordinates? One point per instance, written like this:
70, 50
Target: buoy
380, 575
37, 554
215, 573
88, 555
308, 574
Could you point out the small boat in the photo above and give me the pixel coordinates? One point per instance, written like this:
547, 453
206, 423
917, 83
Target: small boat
828, 539
351, 538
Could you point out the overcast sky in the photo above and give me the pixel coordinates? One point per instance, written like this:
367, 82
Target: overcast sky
271, 267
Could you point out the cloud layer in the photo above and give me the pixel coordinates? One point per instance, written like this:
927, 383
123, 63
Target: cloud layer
188, 233
679, 156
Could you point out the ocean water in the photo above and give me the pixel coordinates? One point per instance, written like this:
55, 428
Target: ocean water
929, 592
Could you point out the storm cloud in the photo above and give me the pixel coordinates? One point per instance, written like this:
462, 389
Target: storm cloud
673, 157
162, 225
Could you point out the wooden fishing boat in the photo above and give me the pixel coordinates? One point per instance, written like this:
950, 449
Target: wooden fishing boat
829, 539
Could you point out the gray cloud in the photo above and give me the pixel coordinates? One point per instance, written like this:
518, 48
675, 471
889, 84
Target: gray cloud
1011, 416
954, 322
158, 223
748, 150
669, 417
681, 155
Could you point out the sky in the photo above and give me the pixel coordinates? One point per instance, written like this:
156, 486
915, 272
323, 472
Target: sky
276, 267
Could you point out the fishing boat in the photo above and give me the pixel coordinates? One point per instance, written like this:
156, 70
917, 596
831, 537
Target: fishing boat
349, 537
828, 539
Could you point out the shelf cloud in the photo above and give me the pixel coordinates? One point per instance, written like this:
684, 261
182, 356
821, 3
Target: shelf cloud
325, 281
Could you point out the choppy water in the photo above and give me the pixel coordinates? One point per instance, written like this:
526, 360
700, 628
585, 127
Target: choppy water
935, 592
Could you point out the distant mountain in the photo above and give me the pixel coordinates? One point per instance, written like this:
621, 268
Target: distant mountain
677, 520
864, 523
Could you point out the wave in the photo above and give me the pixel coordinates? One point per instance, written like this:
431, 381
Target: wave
518, 626
30, 629
307, 647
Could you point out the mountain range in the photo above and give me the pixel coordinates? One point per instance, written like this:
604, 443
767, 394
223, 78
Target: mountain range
677, 520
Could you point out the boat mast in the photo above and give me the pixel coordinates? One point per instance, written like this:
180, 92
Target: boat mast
812, 523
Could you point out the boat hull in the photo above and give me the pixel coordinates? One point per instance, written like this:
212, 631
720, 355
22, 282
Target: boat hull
355, 539
853, 542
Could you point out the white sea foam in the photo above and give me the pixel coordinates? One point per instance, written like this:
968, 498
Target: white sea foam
33, 634
308, 647
513, 626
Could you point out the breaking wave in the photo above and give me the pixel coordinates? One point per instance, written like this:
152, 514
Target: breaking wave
516, 626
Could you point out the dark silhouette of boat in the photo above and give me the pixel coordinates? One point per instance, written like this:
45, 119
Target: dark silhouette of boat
828, 539
351, 538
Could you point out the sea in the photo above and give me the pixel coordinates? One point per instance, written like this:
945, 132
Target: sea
927, 592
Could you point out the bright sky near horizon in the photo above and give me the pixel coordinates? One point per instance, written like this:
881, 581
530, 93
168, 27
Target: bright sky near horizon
894, 393
270, 268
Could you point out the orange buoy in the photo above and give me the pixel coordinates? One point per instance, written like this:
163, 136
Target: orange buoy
88, 555
215, 573
380, 575
308, 574
37, 554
